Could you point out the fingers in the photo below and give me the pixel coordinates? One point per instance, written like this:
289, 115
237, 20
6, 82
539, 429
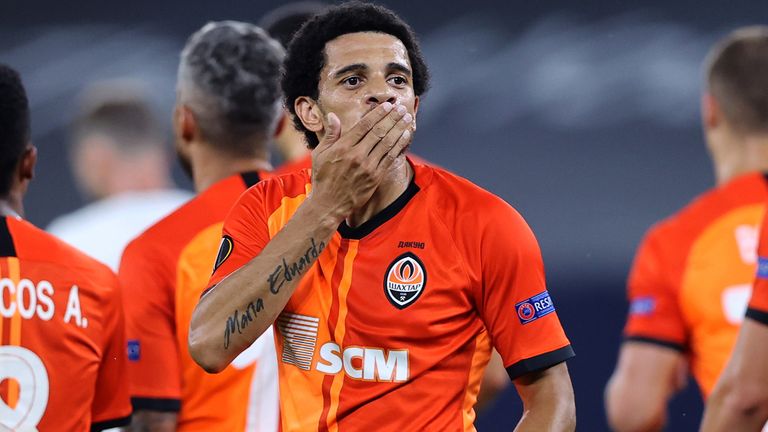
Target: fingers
384, 145
381, 129
364, 126
399, 148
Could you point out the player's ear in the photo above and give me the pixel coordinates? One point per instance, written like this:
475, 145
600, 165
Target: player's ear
711, 115
26, 171
185, 124
309, 113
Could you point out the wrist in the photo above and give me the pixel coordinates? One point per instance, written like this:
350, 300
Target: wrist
326, 216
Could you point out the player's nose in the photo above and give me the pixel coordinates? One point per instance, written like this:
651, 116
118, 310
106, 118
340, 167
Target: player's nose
381, 93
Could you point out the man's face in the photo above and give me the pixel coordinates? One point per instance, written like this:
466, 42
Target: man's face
361, 71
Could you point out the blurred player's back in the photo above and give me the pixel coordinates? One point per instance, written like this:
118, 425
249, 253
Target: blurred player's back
61, 332
62, 356
692, 276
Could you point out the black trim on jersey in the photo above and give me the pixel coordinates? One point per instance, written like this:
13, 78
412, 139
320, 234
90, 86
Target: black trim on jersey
156, 404
250, 178
757, 315
765, 176
540, 362
660, 342
381, 217
109, 424
7, 249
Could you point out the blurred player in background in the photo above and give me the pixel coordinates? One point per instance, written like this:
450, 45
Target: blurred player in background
740, 399
228, 105
120, 160
692, 275
281, 23
388, 281
62, 346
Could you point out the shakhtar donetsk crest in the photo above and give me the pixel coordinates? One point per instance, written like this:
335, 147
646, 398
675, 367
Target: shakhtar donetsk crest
405, 280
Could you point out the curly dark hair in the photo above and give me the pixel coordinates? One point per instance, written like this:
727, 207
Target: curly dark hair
14, 125
306, 53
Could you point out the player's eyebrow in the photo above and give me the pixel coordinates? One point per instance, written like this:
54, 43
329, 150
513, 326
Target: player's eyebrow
399, 67
361, 67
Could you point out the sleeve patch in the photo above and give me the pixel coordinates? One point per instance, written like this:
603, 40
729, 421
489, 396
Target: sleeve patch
642, 306
225, 250
534, 308
762, 268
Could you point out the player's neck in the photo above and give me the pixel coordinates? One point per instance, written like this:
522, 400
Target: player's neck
209, 168
393, 185
748, 155
11, 207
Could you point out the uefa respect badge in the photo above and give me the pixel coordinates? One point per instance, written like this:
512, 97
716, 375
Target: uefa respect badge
534, 308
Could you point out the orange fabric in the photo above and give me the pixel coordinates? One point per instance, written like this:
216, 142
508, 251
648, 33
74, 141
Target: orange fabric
350, 352
759, 300
691, 278
62, 345
164, 272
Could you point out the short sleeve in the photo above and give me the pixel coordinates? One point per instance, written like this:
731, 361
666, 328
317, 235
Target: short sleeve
153, 357
515, 305
245, 234
654, 311
111, 403
758, 304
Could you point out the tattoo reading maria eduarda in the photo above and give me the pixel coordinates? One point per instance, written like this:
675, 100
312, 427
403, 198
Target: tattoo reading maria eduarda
237, 322
285, 272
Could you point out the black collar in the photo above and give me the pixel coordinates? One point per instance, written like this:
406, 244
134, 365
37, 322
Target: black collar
7, 248
381, 217
250, 178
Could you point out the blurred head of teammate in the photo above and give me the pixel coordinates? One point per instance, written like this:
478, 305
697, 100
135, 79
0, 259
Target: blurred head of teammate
348, 61
735, 103
228, 98
118, 145
282, 23
17, 154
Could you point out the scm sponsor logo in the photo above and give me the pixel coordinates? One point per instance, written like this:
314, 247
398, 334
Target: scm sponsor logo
364, 363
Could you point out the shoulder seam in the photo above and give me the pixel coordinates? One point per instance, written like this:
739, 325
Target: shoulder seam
464, 265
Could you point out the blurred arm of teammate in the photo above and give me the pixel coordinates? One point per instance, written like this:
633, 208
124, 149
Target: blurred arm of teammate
347, 169
152, 421
495, 380
646, 377
548, 401
740, 399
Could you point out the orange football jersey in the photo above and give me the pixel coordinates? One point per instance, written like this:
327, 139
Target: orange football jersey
394, 323
62, 342
758, 304
164, 271
692, 276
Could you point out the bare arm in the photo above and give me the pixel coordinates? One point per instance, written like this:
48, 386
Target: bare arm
152, 421
740, 399
346, 171
646, 377
548, 401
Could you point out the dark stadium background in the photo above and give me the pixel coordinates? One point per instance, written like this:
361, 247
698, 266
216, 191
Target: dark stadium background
583, 115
